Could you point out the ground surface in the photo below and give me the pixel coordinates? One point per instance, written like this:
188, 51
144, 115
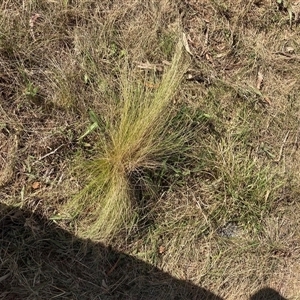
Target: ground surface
224, 223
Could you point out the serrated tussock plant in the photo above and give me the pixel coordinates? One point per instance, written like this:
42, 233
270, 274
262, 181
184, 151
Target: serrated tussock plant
140, 136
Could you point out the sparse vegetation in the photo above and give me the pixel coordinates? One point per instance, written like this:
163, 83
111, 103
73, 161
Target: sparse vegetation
167, 130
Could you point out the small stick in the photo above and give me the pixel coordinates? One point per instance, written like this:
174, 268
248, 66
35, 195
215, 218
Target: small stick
282, 147
114, 266
48, 154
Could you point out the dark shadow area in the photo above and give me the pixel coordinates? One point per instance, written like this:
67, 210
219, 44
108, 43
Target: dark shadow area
39, 260
267, 294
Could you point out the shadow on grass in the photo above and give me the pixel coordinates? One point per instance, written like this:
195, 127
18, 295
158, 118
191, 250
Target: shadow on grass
267, 294
39, 260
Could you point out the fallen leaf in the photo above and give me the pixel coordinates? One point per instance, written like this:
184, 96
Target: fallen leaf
186, 44
36, 185
267, 100
290, 50
208, 57
167, 63
33, 19
161, 249
103, 283
260, 78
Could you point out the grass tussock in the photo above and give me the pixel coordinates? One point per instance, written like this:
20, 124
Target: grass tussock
139, 137
225, 216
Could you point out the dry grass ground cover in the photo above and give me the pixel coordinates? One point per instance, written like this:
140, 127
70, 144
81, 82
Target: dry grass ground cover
166, 130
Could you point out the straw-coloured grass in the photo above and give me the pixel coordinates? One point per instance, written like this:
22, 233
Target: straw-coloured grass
140, 136
216, 206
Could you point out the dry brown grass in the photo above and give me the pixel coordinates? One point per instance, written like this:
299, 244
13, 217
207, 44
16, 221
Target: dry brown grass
243, 170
